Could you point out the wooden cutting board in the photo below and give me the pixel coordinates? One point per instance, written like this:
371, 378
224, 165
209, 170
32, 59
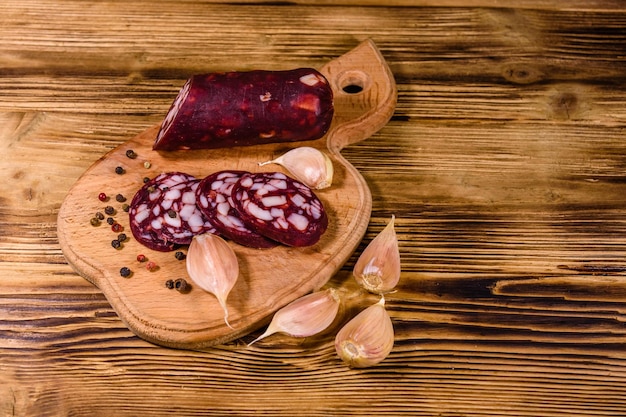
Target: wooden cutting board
364, 97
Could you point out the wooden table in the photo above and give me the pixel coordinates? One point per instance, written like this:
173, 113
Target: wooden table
504, 164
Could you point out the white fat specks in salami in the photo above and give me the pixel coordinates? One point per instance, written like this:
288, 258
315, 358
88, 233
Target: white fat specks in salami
280, 208
215, 201
163, 213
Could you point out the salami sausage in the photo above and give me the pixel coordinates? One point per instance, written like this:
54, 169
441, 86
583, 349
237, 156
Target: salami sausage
164, 214
215, 202
280, 208
247, 108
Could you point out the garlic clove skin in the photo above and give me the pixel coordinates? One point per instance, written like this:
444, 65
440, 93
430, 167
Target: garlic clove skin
377, 269
212, 265
306, 316
310, 166
367, 339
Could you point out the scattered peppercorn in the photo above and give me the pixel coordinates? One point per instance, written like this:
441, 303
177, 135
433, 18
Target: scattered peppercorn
116, 244
122, 237
102, 197
181, 285
179, 255
119, 170
141, 258
95, 221
151, 266
147, 164
146, 179
116, 227
131, 154
99, 216
169, 284
120, 198
110, 221
125, 207
125, 272
109, 210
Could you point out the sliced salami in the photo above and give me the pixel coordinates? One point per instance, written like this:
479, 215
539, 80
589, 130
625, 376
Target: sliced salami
163, 213
280, 208
215, 202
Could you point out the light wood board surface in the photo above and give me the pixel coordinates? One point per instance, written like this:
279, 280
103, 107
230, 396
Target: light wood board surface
504, 164
268, 278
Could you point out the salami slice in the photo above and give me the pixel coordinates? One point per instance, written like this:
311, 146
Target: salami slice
245, 108
215, 202
280, 208
163, 213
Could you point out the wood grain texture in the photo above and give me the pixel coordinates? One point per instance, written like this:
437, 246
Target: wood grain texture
504, 165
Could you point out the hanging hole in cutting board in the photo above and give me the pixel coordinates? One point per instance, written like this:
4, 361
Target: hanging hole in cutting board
353, 82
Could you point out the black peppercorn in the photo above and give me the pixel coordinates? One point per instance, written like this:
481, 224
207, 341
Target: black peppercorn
99, 216
110, 221
119, 170
120, 198
169, 284
171, 213
181, 285
179, 255
131, 154
125, 272
122, 237
146, 179
116, 243
95, 221
125, 207
109, 210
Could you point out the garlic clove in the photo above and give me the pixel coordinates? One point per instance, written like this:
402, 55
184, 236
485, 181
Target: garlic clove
306, 316
212, 265
377, 269
367, 339
309, 165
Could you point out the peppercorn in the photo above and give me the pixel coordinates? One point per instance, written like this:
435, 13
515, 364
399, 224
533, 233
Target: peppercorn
95, 221
116, 244
179, 255
131, 154
110, 221
169, 284
147, 164
99, 216
102, 197
141, 257
109, 210
146, 179
171, 213
119, 170
120, 198
116, 227
151, 266
125, 207
181, 285
122, 237
125, 272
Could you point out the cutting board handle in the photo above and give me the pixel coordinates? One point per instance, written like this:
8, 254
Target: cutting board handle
365, 95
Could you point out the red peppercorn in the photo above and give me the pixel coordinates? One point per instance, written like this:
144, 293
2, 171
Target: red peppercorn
141, 257
116, 227
151, 266
102, 197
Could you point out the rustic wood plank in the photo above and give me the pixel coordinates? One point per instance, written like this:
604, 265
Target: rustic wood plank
504, 165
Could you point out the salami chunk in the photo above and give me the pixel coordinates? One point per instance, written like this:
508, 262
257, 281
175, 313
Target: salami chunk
164, 214
215, 202
280, 207
247, 108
